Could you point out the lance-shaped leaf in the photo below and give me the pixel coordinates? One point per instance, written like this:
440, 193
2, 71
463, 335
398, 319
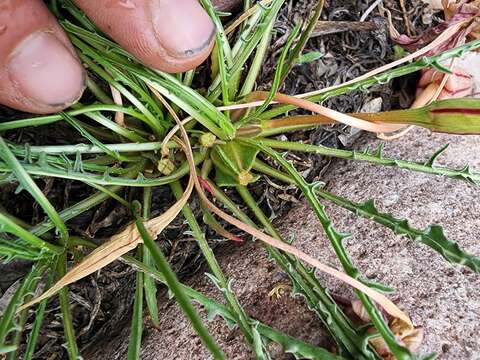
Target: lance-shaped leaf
453, 116
10, 226
375, 156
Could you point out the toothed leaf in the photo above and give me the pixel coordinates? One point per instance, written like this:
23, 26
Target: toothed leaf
433, 159
298, 348
433, 236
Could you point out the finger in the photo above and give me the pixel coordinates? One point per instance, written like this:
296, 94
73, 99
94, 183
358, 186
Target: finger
227, 5
39, 70
169, 35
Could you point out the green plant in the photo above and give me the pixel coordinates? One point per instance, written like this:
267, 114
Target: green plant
227, 145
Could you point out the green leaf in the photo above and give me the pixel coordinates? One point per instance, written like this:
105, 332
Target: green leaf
89, 109
383, 78
258, 344
27, 183
304, 37
252, 33
223, 52
223, 179
177, 289
350, 341
452, 116
433, 236
336, 239
149, 284
309, 57
218, 278
5, 349
281, 70
39, 315
67, 317
233, 162
375, 157
135, 338
16, 249
298, 348
106, 178
9, 226
7, 319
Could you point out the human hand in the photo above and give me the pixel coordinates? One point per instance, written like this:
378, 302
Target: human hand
40, 71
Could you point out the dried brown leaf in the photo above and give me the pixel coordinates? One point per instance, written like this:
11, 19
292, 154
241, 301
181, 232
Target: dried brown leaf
117, 99
328, 113
360, 310
121, 243
414, 340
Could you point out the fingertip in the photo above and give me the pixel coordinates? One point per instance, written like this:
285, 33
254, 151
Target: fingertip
182, 27
185, 33
168, 35
39, 69
45, 72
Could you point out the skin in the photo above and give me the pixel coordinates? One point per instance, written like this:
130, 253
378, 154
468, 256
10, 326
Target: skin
40, 71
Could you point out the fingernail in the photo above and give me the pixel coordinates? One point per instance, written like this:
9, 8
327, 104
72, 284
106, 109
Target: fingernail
182, 27
45, 71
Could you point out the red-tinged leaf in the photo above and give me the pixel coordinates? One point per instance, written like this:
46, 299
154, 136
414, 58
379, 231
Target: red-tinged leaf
205, 185
457, 14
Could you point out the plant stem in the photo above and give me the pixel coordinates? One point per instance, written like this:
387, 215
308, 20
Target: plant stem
374, 157
135, 339
149, 284
177, 290
233, 302
68, 329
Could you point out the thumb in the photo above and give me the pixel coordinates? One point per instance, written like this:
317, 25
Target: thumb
39, 71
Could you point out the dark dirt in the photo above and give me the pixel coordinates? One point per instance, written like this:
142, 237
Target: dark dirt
110, 292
